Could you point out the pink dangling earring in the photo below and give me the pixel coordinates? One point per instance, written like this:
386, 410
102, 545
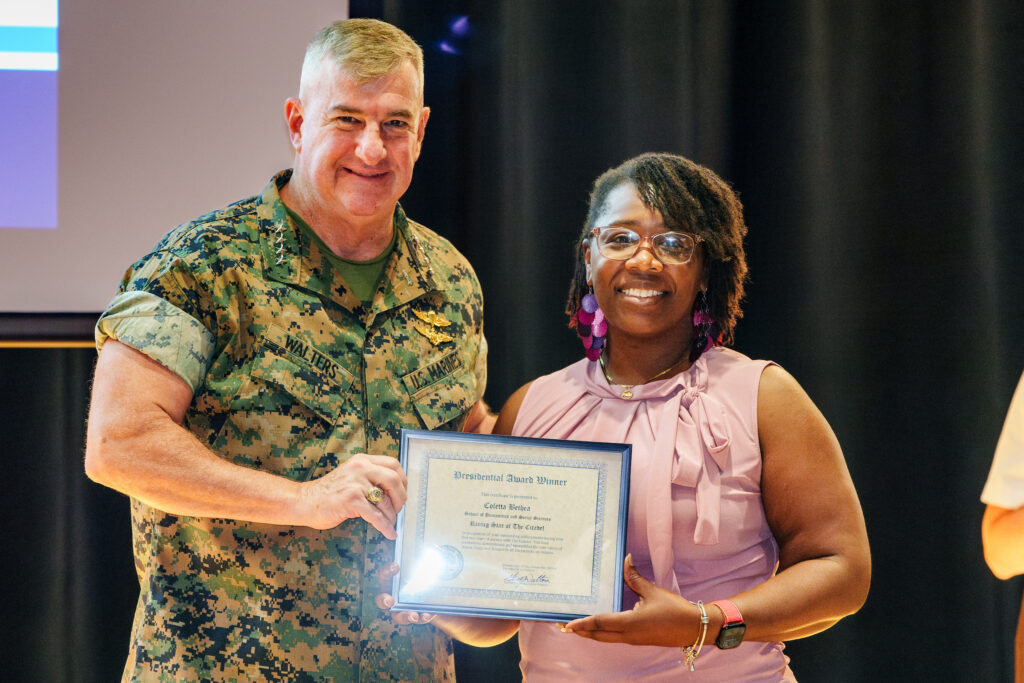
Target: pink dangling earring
702, 322
591, 326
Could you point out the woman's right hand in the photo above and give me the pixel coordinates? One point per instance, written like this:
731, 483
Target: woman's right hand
660, 617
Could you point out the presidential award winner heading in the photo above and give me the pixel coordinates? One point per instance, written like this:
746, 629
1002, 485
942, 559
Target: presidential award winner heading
510, 479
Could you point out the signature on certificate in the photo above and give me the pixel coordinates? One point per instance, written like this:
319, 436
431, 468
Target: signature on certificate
526, 578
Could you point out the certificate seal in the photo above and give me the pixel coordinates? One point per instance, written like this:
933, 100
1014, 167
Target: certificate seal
451, 557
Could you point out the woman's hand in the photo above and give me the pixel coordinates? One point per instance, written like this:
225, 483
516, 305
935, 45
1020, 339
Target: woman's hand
660, 617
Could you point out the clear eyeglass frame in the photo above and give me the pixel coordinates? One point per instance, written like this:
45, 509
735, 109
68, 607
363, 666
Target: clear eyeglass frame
672, 248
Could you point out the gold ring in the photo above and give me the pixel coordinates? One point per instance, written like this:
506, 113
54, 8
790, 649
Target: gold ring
375, 494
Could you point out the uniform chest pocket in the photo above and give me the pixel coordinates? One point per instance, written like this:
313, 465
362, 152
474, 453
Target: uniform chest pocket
445, 399
320, 385
285, 412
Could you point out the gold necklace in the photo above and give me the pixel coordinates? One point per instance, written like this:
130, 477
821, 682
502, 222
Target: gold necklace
628, 390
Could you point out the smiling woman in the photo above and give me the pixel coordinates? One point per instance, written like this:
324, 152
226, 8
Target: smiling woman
646, 301
696, 206
744, 527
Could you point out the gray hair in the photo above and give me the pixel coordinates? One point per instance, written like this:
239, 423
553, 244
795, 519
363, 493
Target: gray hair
366, 48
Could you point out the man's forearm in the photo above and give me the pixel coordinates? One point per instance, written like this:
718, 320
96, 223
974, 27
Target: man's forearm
135, 444
163, 465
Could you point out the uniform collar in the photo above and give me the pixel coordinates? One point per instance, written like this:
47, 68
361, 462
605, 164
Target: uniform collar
291, 257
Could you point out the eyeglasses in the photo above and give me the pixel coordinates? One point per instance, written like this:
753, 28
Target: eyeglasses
620, 244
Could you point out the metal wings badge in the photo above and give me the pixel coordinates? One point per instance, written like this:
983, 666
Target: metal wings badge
433, 336
434, 319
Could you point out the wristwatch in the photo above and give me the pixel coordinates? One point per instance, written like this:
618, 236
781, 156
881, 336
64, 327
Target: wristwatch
733, 629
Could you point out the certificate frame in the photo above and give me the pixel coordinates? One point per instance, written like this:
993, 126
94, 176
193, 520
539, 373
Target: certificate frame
511, 527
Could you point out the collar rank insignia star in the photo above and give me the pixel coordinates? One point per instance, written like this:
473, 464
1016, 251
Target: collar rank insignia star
433, 336
432, 318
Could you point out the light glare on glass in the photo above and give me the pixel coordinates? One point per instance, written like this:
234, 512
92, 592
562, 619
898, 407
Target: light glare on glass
671, 248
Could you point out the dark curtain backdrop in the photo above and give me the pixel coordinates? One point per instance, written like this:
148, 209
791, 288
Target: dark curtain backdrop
876, 147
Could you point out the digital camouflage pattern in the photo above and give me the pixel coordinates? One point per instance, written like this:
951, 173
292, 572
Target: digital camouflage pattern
291, 374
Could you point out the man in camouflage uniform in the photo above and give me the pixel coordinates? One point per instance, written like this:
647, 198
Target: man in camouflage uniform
250, 363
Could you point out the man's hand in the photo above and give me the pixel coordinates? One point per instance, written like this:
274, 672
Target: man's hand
341, 494
481, 419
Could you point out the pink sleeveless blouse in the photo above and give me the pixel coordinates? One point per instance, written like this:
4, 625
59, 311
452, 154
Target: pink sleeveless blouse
696, 522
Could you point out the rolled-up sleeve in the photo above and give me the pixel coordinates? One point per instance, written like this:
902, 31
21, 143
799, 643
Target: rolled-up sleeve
162, 331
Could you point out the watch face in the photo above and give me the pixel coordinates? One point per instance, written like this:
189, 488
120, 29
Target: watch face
730, 636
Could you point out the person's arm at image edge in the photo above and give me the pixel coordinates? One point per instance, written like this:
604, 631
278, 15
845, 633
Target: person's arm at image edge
1002, 536
1002, 527
135, 444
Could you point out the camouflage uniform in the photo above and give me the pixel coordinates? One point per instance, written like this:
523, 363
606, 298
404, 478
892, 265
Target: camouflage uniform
291, 374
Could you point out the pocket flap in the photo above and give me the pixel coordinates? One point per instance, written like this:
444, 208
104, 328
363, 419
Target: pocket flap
446, 399
317, 381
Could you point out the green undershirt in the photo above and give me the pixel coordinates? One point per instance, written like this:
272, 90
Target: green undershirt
360, 276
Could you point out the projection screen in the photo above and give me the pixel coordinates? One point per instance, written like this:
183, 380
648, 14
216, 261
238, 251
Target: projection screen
122, 119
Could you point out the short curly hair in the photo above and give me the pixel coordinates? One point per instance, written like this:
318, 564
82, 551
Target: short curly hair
690, 198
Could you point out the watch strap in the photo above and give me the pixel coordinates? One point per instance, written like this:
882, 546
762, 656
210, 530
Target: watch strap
730, 610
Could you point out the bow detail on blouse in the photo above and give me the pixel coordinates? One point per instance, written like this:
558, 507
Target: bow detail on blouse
691, 447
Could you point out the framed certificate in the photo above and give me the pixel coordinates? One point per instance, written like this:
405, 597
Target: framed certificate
511, 527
